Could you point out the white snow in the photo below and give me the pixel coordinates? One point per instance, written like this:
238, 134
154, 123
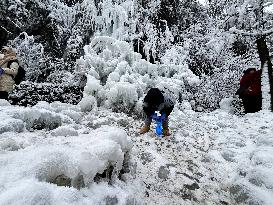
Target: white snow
117, 77
203, 2
265, 89
30, 160
210, 157
87, 103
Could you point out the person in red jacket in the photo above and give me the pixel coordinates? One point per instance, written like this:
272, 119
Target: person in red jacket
250, 90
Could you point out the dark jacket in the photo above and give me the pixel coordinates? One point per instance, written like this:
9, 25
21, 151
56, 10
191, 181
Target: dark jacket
155, 100
250, 84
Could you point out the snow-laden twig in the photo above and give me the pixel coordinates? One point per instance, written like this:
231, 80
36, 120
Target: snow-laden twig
14, 23
6, 30
257, 33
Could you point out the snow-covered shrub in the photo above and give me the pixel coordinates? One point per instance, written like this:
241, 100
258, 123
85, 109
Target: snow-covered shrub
17, 119
92, 86
60, 84
37, 118
11, 125
87, 103
122, 96
237, 105
68, 112
223, 76
9, 144
64, 131
117, 77
29, 93
31, 56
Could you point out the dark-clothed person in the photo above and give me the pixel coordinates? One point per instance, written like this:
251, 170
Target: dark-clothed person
155, 100
250, 90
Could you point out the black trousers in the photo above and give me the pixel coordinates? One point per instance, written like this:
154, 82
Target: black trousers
252, 103
4, 95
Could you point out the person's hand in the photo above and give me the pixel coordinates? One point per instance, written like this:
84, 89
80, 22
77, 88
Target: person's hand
1, 71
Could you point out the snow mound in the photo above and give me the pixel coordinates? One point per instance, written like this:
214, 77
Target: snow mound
9, 144
11, 125
37, 118
64, 131
87, 103
30, 175
4, 103
42, 116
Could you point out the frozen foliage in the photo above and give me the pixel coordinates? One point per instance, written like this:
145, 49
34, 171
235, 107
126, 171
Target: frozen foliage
30, 55
177, 33
32, 118
43, 49
29, 93
118, 78
41, 116
213, 59
87, 103
226, 105
65, 131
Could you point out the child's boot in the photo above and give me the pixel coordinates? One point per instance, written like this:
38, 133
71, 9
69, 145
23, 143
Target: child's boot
144, 129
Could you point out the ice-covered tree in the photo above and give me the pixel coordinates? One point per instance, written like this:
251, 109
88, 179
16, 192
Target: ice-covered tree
248, 19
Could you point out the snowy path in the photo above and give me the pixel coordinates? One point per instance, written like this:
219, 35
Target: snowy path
210, 159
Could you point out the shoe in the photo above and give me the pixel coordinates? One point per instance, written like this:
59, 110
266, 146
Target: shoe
166, 132
144, 129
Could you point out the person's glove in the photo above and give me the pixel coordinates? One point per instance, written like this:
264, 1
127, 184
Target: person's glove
1, 71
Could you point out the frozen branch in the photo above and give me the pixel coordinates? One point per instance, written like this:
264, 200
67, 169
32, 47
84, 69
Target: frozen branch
256, 34
6, 30
14, 23
268, 4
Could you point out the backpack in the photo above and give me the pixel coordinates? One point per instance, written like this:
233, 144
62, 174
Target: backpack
21, 74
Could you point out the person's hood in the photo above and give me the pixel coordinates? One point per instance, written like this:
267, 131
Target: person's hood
154, 97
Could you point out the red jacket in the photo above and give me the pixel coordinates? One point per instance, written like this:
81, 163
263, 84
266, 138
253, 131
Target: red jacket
252, 83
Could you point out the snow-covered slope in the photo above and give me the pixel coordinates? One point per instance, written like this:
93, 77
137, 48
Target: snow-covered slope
61, 152
211, 158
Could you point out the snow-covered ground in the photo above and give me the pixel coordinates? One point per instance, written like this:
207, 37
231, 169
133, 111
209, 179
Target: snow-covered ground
211, 158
